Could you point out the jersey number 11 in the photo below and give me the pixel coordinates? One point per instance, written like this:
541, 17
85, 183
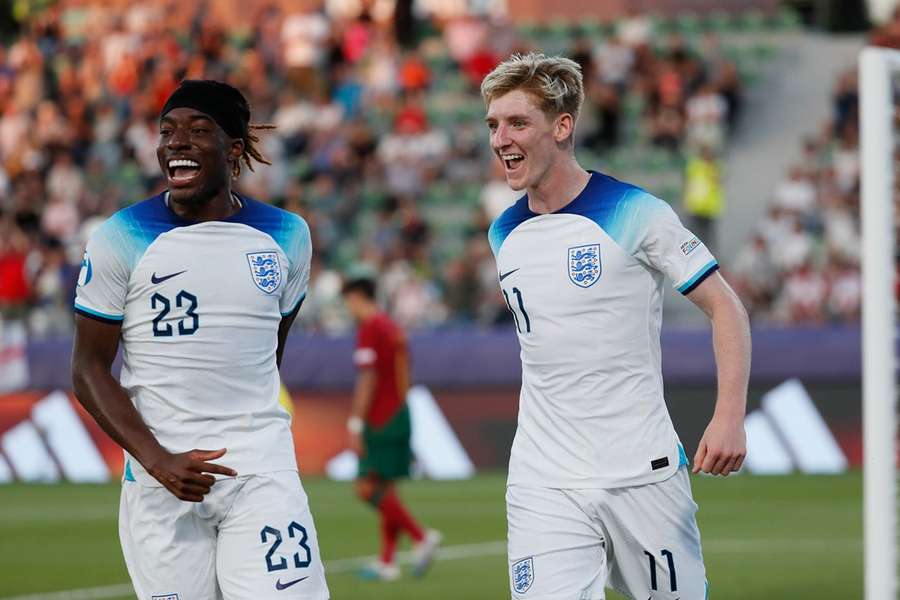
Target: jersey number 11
525, 320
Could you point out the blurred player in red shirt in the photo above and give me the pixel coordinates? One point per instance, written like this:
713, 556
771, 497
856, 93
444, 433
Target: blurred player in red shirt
379, 428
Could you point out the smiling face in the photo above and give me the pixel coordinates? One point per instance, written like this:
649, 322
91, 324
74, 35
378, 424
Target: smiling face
525, 139
195, 155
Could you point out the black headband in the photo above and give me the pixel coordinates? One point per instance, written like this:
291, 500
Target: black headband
219, 101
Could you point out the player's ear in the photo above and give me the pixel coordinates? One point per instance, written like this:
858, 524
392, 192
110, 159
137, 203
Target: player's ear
563, 127
237, 148
235, 151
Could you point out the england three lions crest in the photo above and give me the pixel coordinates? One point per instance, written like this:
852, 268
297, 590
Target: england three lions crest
584, 265
265, 270
523, 574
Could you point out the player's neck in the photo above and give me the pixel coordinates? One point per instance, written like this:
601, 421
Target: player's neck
221, 206
367, 312
560, 185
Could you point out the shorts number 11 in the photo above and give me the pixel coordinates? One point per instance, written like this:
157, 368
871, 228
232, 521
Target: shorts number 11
671, 561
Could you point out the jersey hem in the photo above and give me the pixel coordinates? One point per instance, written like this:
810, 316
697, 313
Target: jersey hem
689, 286
595, 484
296, 308
98, 316
145, 479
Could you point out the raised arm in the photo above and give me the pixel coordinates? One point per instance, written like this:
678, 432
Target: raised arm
723, 446
186, 475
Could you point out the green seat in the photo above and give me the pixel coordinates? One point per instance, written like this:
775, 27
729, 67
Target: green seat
749, 74
733, 53
688, 23
449, 244
300, 167
558, 28
593, 28
372, 197
654, 160
345, 254
752, 20
240, 38
764, 52
720, 22
617, 161
529, 29
470, 111
632, 105
454, 82
663, 25
787, 19
379, 120
438, 193
471, 195
671, 193
439, 64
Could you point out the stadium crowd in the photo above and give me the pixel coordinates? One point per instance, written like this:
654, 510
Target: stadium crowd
803, 262
379, 141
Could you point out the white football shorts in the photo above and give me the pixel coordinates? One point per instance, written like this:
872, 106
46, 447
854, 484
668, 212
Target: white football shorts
251, 537
642, 541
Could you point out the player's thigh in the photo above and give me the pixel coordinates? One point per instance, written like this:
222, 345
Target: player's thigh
555, 551
169, 545
268, 547
655, 541
387, 460
386, 456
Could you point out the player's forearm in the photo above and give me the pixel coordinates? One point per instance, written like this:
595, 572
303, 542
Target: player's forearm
732, 347
362, 395
109, 405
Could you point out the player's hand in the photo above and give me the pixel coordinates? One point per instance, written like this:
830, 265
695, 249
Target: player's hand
722, 448
187, 475
354, 440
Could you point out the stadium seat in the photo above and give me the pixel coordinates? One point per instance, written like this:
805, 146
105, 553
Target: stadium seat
786, 19
752, 21
720, 22
688, 24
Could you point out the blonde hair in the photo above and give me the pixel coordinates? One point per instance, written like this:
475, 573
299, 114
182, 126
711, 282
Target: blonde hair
554, 81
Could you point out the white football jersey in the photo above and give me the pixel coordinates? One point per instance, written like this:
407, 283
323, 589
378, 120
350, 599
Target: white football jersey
585, 285
200, 305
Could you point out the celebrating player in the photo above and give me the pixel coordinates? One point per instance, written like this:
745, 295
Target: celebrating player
598, 491
202, 285
379, 429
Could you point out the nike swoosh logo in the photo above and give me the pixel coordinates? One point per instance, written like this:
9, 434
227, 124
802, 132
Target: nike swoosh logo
507, 274
154, 279
283, 586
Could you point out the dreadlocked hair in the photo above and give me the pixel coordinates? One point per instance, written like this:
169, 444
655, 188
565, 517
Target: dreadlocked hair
251, 152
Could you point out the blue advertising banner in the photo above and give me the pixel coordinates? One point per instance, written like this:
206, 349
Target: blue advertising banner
461, 358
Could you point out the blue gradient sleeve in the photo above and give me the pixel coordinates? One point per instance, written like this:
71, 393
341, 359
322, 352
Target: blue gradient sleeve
508, 220
105, 271
660, 240
294, 239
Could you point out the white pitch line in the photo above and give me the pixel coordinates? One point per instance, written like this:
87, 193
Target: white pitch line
495, 548
96, 593
342, 565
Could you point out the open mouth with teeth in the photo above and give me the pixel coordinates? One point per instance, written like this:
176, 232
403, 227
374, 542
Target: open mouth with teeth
512, 161
183, 171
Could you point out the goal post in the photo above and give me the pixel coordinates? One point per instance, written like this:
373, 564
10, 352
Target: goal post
879, 75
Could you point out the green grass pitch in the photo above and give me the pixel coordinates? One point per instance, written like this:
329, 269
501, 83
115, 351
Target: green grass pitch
772, 538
